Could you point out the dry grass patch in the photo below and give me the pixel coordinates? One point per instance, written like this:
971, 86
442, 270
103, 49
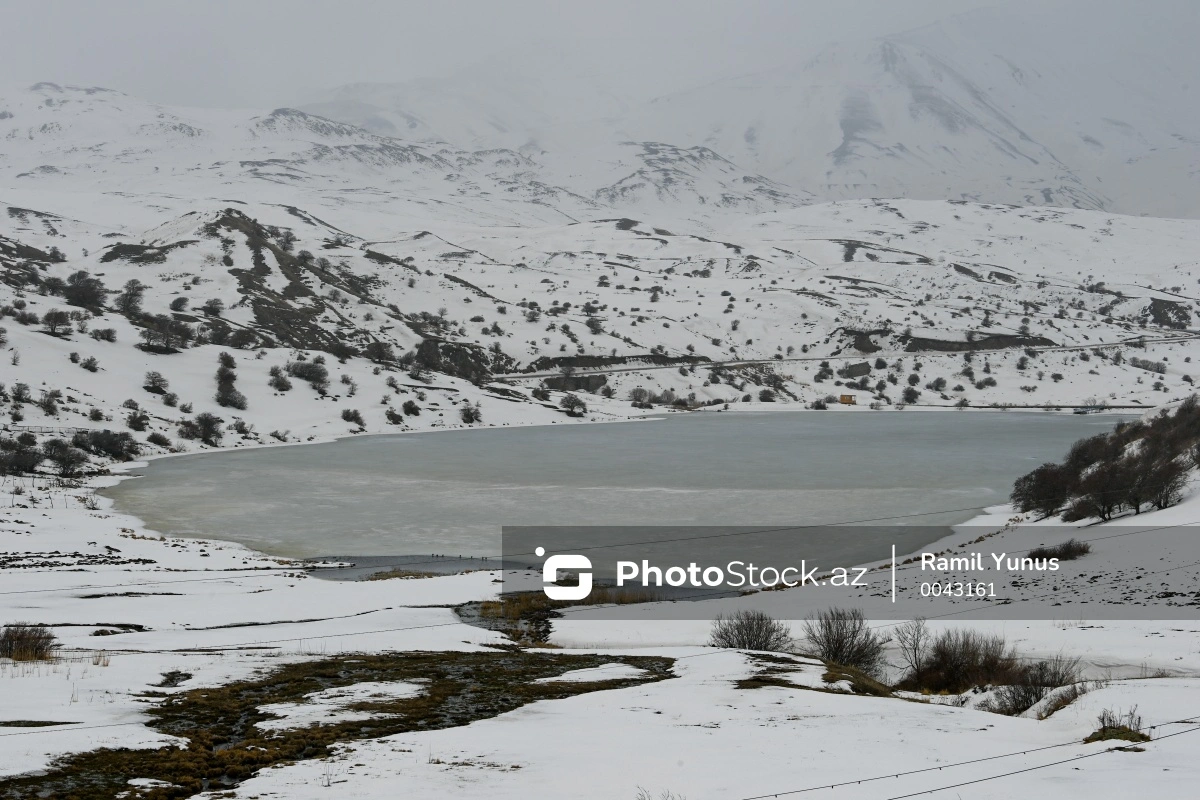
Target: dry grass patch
1115, 725
860, 682
224, 746
21, 641
770, 678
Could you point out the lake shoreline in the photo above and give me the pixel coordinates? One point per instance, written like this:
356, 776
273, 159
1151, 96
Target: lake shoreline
672, 492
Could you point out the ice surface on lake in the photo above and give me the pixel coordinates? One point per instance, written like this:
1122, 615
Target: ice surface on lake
450, 492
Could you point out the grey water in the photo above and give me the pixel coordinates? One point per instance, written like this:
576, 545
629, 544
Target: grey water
448, 493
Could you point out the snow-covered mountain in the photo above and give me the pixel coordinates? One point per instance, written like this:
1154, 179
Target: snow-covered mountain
983, 106
67, 139
998, 105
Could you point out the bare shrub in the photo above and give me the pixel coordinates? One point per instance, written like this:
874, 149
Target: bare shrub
471, 414
1033, 682
227, 395
21, 641
750, 630
841, 636
1069, 550
155, 383
1058, 671
313, 371
1167, 479
960, 658
159, 439
120, 446
68, 459
205, 427
278, 381
1044, 490
573, 405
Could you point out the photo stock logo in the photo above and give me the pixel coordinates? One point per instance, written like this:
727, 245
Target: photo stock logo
673, 572
565, 562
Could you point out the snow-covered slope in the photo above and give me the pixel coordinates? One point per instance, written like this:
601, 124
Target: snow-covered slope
887, 118
908, 302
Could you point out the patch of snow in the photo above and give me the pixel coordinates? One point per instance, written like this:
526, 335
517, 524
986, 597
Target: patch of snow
330, 706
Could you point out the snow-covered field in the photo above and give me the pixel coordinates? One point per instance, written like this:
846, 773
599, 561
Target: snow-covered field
132, 607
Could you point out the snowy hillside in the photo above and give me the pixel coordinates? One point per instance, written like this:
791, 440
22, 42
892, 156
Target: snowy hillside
903, 303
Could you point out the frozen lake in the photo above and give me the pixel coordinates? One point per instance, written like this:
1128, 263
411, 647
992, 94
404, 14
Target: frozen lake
449, 492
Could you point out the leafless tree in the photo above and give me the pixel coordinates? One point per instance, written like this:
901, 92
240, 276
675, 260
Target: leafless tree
750, 630
913, 640
841, 636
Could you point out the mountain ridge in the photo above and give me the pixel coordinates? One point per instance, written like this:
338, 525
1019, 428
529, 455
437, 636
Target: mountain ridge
993, 105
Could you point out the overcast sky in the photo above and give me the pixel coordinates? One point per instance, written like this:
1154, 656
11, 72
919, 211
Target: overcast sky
267, 53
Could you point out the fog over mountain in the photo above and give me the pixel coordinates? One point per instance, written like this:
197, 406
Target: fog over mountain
1077, 105
1000, 104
